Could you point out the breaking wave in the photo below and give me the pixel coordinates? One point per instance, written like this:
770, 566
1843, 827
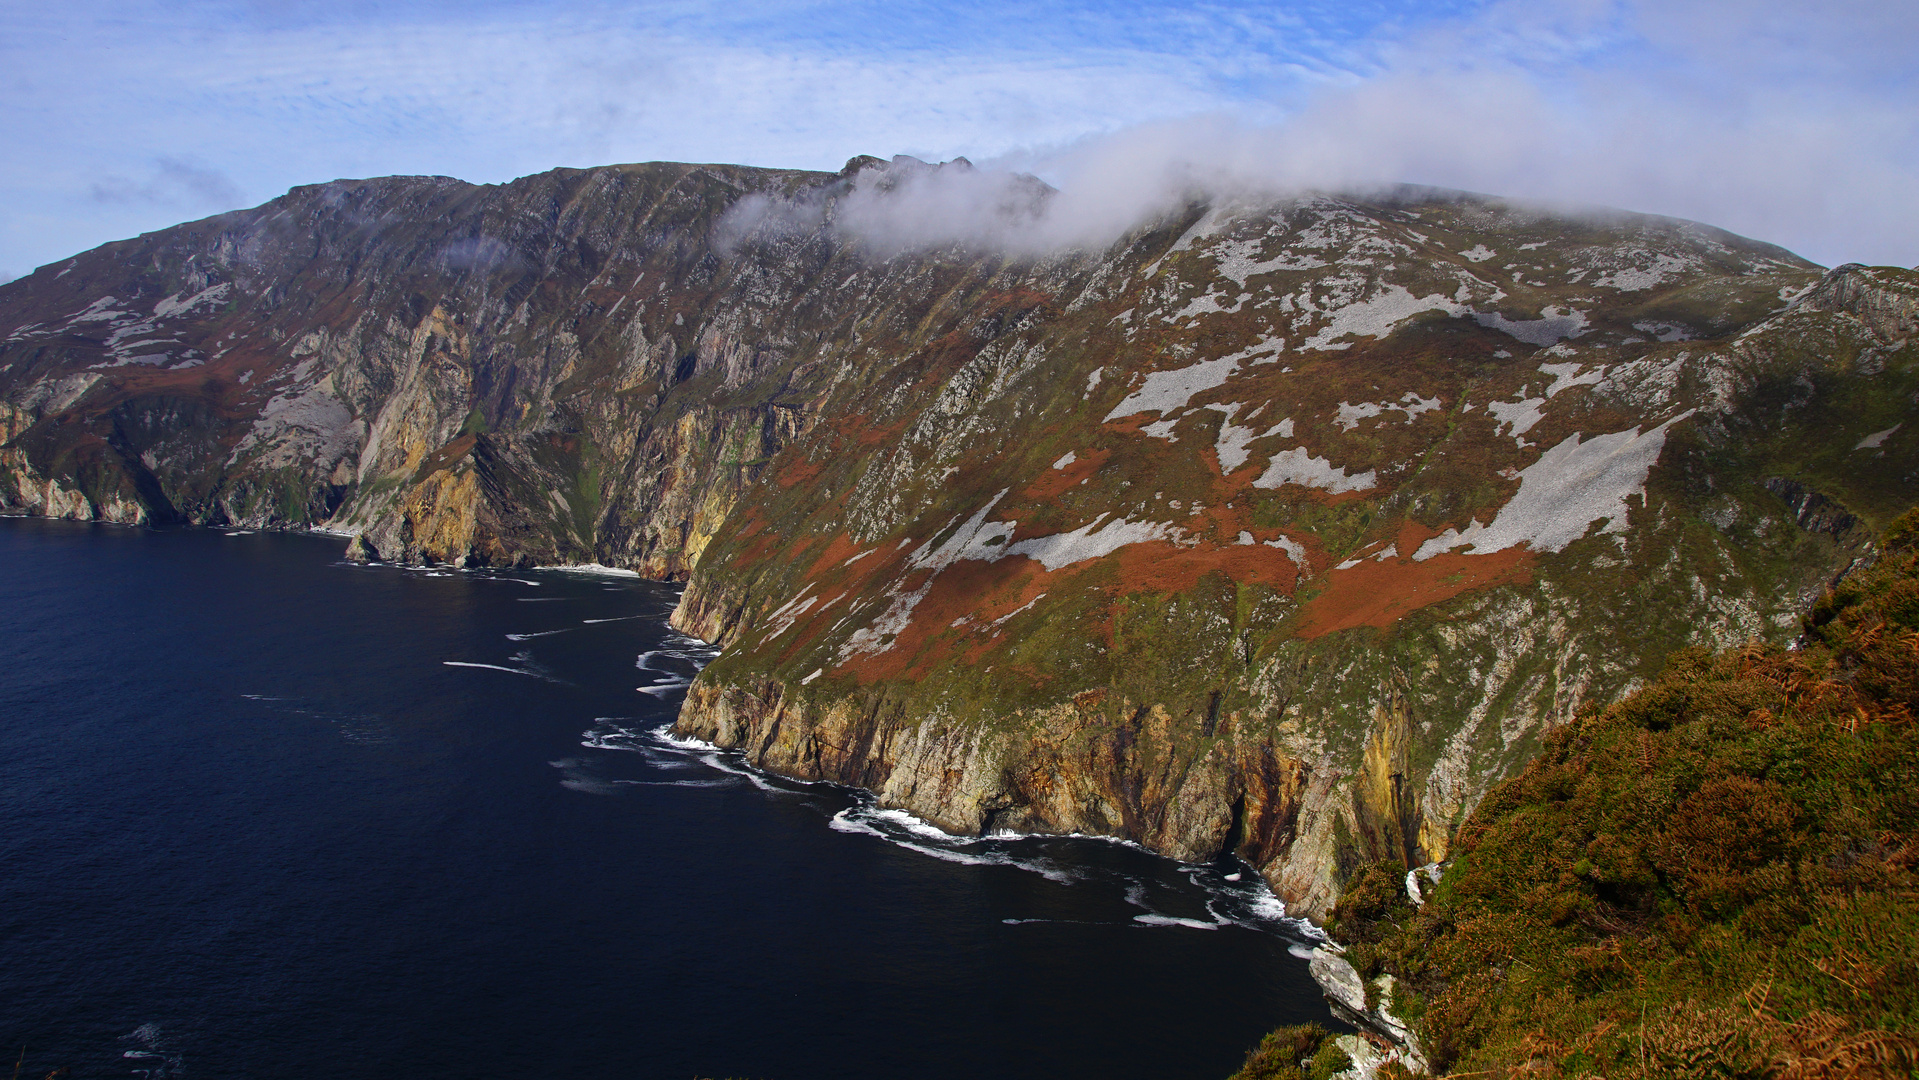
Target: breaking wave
674, 664
1210, 897
1192, 897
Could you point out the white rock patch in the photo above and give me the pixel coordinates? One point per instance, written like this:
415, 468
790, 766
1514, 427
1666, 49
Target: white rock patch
105, 309
1518, 416
1664, 331
1205, 305
1635, 278
1571, 486
1237, 260
1023, 607
1299, 466
784, 618
302, 425
1090, 541
1233, 443
1350, 415
1168, 392
875, 637
1165, 391
976, 539
1877, 439
1294, 550
1555, 323
1412, 405
1390, 551
1376, 317
1567, 376
985, 541
180, 303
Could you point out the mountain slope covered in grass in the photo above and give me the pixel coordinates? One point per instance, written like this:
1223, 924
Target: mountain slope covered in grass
1280, 528
1714, 877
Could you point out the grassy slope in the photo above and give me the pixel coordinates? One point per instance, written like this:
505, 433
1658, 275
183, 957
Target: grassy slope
1714, 877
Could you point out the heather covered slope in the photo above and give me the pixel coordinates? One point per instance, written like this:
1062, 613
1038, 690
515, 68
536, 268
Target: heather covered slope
1281, 527
1714, 877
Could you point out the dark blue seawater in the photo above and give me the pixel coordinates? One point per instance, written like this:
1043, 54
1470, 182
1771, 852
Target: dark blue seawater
255, 823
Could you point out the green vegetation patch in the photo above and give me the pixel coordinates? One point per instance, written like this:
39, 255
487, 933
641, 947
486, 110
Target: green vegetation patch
1300, 1052
1718, 876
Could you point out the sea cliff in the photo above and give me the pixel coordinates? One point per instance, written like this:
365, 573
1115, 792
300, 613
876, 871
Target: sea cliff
1282, 527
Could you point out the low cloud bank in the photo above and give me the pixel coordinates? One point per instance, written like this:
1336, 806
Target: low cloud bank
1773, 118
1772, 123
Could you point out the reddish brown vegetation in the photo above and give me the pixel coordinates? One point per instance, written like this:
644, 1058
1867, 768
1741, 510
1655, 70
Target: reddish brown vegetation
1169, 568
1056, 482
1378, 593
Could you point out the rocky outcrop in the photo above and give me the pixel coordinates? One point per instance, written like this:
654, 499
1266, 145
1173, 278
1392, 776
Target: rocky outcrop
1066, 769
557, 370
1884, 300
1280, 529
1366, 1005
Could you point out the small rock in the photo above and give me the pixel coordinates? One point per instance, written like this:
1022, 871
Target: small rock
1338, 979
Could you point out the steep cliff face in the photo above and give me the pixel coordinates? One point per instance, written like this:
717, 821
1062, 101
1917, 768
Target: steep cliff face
1287, 529
556, 370
1280, 528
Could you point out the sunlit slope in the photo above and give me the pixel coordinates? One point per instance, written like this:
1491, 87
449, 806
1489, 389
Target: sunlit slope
1287, 536
1714, 877
1279, 527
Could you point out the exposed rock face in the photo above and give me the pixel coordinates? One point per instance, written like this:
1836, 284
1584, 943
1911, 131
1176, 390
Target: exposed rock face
1280, 529
1347, 993
556, 370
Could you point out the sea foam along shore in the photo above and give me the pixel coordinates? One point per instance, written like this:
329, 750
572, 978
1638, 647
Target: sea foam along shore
592, 568
1231, 896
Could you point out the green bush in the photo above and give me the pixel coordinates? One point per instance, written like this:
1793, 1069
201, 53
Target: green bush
1293, 1053
1716, 877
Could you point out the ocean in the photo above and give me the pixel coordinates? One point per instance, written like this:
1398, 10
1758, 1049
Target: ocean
267, 813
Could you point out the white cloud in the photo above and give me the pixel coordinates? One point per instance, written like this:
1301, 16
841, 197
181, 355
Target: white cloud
1765, 117
1559, 104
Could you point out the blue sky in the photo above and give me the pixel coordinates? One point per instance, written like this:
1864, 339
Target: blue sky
1789, 122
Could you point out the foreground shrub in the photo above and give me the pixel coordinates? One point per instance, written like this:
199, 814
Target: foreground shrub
1303, 1052
1715, 877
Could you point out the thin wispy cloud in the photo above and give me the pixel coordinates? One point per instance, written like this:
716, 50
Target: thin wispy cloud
171, 183
1793, 126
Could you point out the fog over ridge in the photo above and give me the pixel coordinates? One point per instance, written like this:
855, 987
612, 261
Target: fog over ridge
1106, 187
1768, 118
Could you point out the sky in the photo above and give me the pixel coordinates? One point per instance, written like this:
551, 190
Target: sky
1794, 123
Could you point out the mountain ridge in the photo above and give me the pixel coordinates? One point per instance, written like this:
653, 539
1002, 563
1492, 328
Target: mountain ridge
1278, 528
